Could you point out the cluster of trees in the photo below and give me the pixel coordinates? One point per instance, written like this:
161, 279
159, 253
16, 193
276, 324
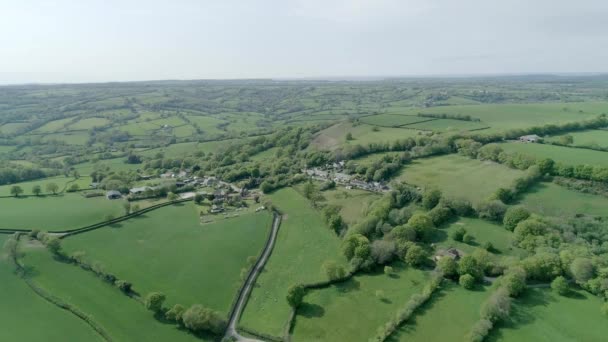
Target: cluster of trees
380, 170
197, 318
421, 146
14, 173
589, 187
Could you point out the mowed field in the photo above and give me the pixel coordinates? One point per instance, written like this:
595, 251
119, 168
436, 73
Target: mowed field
351, 311
335, 136
60, 212
459, 177
448, 316
168, 250
561, 154
25, 316
554, 200
123, 318
303, 244
596, 137
543, 316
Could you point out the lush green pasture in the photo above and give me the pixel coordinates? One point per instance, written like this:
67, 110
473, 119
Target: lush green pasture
541, 315
207, 123
561, 154
26, 316
53, 126
125, 319
459, 177
554, 200
65, 211
595, 137
448, 316
353, 202
89, 123
11, 127
115, 164
448, 125
303, 244
61, 181
392, 120
70, 138
502, 117
335, 136
483, 231
183, 131
352, 311
168, 250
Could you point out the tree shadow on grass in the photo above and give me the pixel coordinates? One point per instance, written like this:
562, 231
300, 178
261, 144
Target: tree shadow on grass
116, 225
348, 286
309, 310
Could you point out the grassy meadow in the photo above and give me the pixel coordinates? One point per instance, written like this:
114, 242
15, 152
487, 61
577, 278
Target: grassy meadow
459, 177
554, 200
32, 318
303, 244
561, 154
351, 311
595, 137
335, 136
168, 250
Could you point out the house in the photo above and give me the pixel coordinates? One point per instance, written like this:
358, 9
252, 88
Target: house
210, 181
113, 194
216, 209
94, 185
452, 253
341, 177
139, 191
530, 138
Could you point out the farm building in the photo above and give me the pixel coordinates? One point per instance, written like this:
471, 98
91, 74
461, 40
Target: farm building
529, 138
113, 194
138, 191
452, 253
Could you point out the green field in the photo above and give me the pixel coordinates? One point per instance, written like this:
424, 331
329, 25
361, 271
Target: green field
596, 137
89, 123
392, 120
32, 318
351, 311
448, 316
53, 126
561, 154
11, 127
303, 244
61, 181
70, 138
335, 136
353, 202
448, 125
123, 318
483, 231
554, 200
168, 250
459, 177
66, 211
541, 315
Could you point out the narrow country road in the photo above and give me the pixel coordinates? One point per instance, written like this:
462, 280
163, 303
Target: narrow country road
245, 291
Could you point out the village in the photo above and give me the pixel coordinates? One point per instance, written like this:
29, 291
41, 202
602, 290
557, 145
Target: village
335, 172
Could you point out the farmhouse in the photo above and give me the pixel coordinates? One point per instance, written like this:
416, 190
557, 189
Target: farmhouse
452, 253
216, 209
113, 194
529, 138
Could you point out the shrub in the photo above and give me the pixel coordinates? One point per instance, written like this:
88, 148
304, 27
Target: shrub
513, 216
199, 318
415, 256
560, 286
448, 266
175, 313
154, 301
514, 280
582, 270
431, 198
497, 307
480, 330
295, 295
492, 210
467, 281
423, 225
469, 265
458, 234
383, 251
124, 286
440, 215
388, 270
488, 246
333, 270
468, 238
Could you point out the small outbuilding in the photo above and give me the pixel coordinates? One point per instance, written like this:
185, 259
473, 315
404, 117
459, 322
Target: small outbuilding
530, 138
452, 253
113, 194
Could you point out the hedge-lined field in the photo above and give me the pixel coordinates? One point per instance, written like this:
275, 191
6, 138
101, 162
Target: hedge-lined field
335, 136
60, 212
459, 177
561, 154
303, 244
27, 317
352, 202
353, 310
392, 120
125, 319
448, 125
594, 137
555, 200
168, 250
448, 316
542, 315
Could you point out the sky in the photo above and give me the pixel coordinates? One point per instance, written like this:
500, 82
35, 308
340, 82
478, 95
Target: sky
65, 41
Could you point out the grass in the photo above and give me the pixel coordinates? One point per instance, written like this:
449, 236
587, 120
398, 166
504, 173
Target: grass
561, 154
53, 126
353, 202
115, 164
168, 250
483, 231
70, 138
596, 137
335, 136
351, 311
12, 127
392, 120
459, 177
541, 315
448, 316
554, 200
448, 125
61, 181
32, 318
66, 211
89, 123
123, 318
303, 244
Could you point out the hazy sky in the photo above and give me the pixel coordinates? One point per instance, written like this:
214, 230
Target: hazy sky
109, 40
